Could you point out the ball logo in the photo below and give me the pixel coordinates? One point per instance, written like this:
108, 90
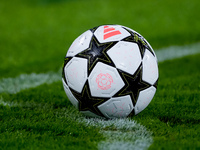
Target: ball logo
104, 81
109, 32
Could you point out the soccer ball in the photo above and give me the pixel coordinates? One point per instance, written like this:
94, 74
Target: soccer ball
110, 71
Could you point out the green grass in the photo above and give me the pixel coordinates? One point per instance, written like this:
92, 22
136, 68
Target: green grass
35, 36
43, 120
40, 32
174, 115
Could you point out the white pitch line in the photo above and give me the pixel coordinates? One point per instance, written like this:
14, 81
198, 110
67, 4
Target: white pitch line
119, 133
173, 52
26, 81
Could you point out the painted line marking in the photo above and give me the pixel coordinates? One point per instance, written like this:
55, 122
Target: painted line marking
121, 134
120, 138
173, 52
26, 81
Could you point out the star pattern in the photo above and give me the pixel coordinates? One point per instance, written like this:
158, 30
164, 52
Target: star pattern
133, 84
140, 41
97, 53
87, 102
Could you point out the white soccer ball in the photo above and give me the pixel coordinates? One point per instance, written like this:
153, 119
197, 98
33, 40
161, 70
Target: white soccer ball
110, 71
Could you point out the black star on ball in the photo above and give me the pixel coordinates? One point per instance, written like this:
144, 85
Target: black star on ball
142, 44
97, 53
133, 84
87, 102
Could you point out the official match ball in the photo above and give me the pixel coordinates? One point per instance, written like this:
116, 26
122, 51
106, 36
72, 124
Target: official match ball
110, 71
